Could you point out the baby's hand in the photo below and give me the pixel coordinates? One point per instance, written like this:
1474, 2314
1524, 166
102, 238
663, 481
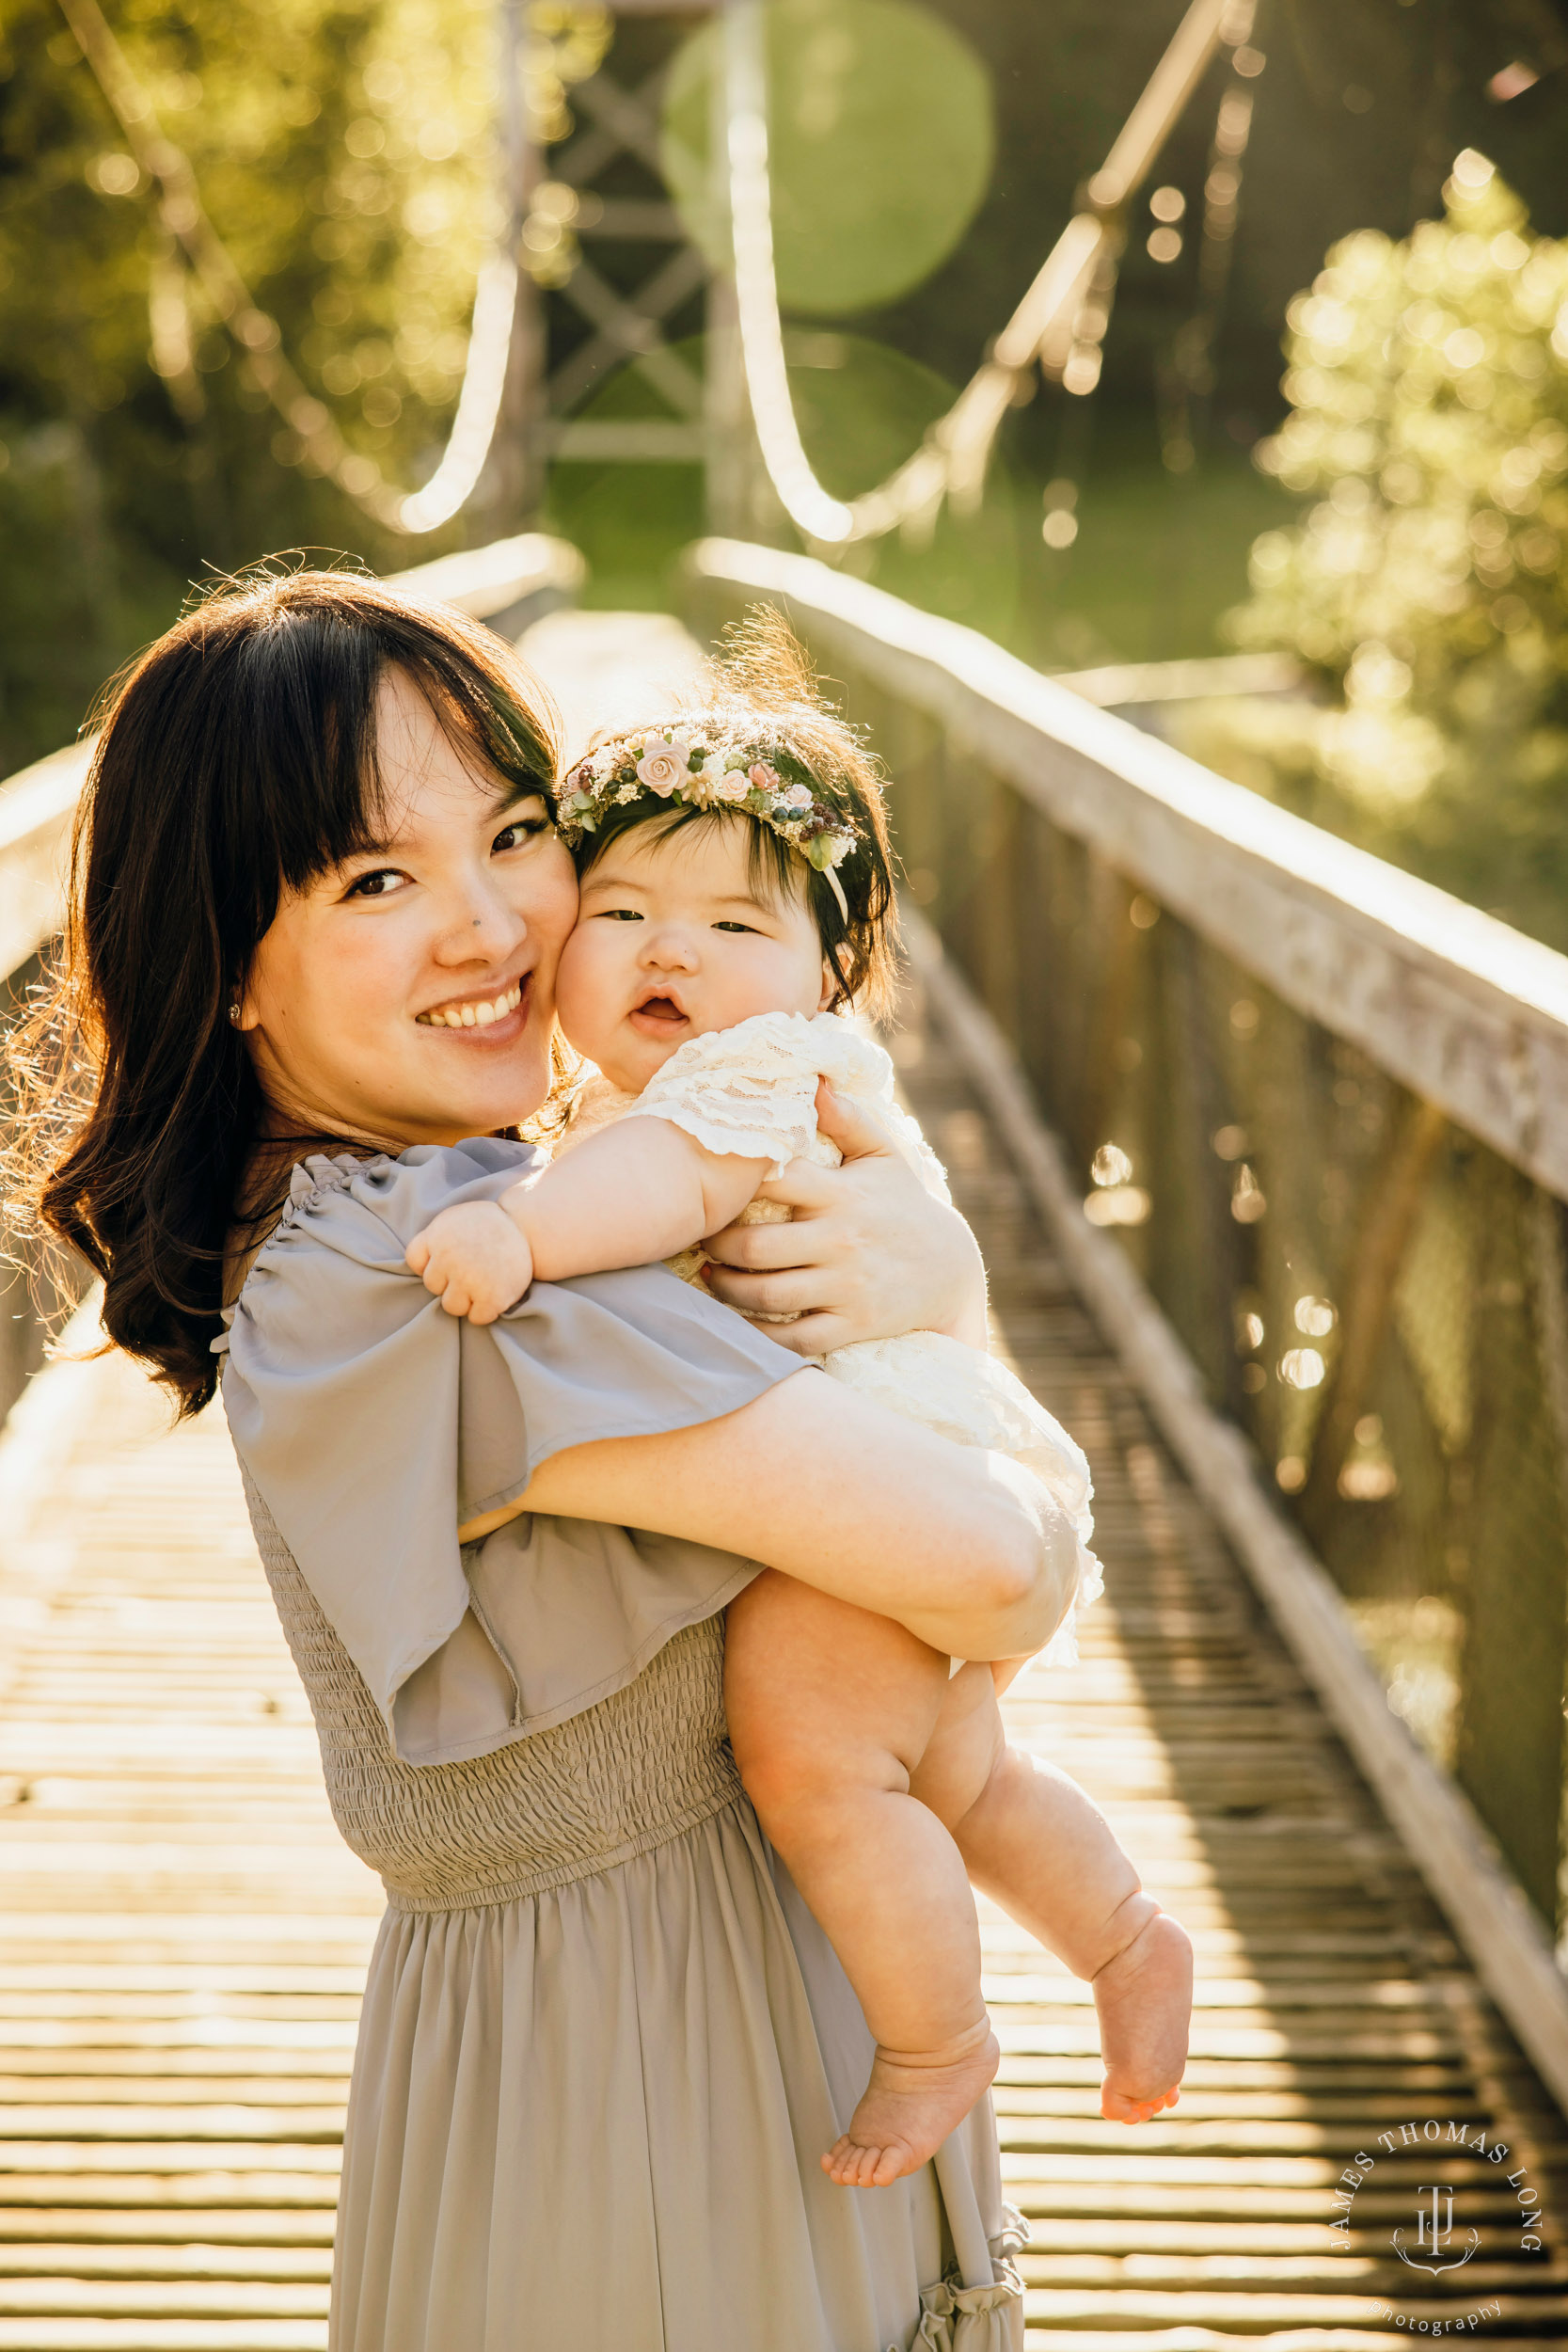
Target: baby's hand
474, 1259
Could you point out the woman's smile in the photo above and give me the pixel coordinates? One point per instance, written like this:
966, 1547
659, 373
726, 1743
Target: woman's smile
504, 1013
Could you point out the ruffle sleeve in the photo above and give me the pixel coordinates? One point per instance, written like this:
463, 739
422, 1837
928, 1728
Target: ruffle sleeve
373, 1424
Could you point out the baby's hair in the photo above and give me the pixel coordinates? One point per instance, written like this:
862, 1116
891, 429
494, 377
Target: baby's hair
760, 688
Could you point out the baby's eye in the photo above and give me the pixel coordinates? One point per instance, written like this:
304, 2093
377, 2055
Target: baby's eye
736, 927
619, 915
379, 883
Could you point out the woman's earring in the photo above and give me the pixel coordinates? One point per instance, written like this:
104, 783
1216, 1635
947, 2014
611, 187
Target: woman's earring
234, 1013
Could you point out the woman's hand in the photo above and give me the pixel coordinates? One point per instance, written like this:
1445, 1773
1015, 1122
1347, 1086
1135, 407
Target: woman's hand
867, 1254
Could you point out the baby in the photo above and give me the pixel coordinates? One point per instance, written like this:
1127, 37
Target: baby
737, 903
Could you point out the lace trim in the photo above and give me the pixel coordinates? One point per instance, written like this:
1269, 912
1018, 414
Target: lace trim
726, 1132
750, 1090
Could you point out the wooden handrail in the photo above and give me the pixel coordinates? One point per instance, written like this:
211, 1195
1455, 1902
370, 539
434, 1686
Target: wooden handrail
1487, 1907
486, 582
35, 810
1456, 1006
510, 581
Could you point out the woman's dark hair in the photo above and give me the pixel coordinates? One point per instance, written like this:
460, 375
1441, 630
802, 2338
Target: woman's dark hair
236, 762
761, 687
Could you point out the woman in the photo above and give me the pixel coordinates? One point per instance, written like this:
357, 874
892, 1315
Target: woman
316, 910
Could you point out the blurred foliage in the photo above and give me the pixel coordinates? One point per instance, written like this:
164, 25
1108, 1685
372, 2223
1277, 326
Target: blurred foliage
1425, 589
343, 151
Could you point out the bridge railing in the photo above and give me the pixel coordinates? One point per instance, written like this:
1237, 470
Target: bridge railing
508, 584
1321, 1109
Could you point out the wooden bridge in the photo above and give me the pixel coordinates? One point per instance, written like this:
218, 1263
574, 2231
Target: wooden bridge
1191, 989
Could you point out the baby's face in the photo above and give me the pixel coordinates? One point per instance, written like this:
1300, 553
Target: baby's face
676, 939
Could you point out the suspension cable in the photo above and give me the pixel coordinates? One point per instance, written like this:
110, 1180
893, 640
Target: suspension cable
1191, 363
260, 338
951, 461
818, 514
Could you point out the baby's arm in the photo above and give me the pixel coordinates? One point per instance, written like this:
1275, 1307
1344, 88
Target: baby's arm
635, 1192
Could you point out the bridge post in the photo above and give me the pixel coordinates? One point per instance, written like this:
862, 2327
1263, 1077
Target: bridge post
588, 209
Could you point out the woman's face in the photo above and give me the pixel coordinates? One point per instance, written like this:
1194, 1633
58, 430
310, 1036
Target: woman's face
408, 996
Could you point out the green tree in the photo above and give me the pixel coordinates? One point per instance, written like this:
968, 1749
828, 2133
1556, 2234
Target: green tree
343, 150
1425, 587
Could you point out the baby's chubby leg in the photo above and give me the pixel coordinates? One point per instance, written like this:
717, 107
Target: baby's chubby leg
829, 1710
1031, 1840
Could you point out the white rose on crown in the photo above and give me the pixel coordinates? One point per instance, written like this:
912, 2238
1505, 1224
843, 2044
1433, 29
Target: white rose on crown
665, 762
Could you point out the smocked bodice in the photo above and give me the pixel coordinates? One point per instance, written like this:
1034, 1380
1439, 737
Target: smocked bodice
616, 1780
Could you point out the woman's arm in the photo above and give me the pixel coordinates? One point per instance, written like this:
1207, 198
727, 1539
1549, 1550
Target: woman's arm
868, 1253
963, 1547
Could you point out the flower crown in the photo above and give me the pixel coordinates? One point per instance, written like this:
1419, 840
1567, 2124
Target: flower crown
708, 774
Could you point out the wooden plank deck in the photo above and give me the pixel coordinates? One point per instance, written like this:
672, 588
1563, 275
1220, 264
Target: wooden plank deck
183, 1938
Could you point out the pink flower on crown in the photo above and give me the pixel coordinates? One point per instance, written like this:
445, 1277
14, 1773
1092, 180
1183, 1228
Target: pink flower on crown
764, 778
733, 785
798, 796
665, 762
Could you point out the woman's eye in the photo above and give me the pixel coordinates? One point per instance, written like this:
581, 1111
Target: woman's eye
379, 883
520, 831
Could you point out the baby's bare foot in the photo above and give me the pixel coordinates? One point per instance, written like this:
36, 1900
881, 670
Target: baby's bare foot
1144, 2000
913, 2100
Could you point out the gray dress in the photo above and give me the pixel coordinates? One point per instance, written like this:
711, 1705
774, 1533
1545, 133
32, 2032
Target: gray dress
604, 2043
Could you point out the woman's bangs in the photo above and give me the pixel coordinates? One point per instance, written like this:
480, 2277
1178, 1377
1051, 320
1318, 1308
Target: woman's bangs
314, 775
313, 789
484, 719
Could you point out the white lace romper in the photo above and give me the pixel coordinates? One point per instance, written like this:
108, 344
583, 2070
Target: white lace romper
753, 1090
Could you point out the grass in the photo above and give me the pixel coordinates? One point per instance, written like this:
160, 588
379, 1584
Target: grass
1158, 562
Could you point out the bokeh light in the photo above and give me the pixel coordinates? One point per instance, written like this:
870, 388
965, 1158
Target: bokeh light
882, 138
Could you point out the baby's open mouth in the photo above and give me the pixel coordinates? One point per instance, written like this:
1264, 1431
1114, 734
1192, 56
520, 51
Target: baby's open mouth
658, 1015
